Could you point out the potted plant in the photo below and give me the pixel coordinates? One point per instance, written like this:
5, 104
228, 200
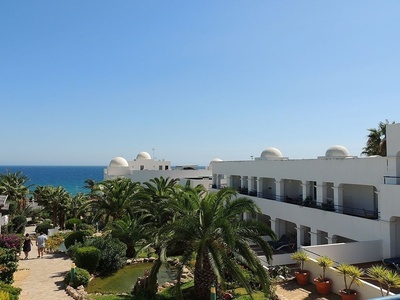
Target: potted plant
354, 274
386, 278
322, 283
301, 275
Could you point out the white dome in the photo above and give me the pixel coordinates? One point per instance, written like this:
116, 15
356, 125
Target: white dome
337, 151
216, 159
143, 155
271, 152
118, 162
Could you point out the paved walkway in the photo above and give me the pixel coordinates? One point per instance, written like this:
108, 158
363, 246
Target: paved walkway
290, 290
42, 278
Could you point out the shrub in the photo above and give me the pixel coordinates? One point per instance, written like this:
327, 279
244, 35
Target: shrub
8, 264
76, 236
88, 258
71, 251
19, 223
13, 292
43, 227
11, 241
4, 295
113, 252
69, 224
80, 277
55, 241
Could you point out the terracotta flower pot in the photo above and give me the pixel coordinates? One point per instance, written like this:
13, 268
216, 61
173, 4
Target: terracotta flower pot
302, 277
323, 286
348, 294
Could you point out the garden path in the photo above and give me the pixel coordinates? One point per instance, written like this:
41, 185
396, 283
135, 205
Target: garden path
42, 278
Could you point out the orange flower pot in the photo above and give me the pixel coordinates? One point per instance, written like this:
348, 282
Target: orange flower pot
302, 277
324, 286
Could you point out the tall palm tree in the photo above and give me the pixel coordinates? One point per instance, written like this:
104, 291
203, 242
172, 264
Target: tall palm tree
55, 200
15, 186
113, 199
212, 226
155, 209
376, 143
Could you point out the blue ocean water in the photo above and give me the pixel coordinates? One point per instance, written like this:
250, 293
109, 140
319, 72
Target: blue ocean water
72, 178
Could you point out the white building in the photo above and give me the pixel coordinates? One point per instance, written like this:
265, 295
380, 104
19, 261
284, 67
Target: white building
144, 168
335, 198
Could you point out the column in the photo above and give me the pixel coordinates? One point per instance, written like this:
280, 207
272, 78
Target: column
280, 189
338, 198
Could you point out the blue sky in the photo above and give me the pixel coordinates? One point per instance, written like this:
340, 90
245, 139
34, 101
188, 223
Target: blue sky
82, 82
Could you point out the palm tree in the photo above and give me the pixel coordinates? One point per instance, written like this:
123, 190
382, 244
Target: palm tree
130, 231
376, 143
14, 185
211, 226
56, 200
154, 208
113, 199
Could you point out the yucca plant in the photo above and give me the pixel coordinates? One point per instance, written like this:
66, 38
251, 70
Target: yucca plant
300, 257
386, 278
354, 273
324, 262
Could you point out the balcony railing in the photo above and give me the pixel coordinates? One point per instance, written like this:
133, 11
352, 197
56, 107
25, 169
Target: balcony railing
311, 203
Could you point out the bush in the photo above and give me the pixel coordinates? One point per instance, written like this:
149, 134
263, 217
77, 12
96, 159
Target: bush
19, 223
88, 258
11, 241
13, 292
80, 277
4, 295
71, 251
113, 252
8, 264
69, 224
43, 227
76, 236
55, 241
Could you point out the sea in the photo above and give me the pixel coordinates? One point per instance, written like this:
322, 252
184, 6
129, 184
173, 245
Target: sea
72, 178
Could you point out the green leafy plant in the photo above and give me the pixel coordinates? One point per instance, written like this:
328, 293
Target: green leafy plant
354, 273
75, 237
88, 258
300, 257
386, 278
43, 227
324, 262
113, 252
8, 265
77, 277
13, 292
72, 224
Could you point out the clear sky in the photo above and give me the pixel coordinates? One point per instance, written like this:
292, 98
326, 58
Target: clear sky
82, 82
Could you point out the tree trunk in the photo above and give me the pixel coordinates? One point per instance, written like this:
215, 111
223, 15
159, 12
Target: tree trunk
204, 277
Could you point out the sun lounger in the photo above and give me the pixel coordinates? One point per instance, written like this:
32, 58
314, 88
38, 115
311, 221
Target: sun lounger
283, 242
395, 262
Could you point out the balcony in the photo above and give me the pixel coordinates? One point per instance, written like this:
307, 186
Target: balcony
311, 203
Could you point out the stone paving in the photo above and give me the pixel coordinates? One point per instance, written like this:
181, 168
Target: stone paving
290, 290
42, 278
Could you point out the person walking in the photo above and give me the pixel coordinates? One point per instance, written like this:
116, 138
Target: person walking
41, 244
27, 245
